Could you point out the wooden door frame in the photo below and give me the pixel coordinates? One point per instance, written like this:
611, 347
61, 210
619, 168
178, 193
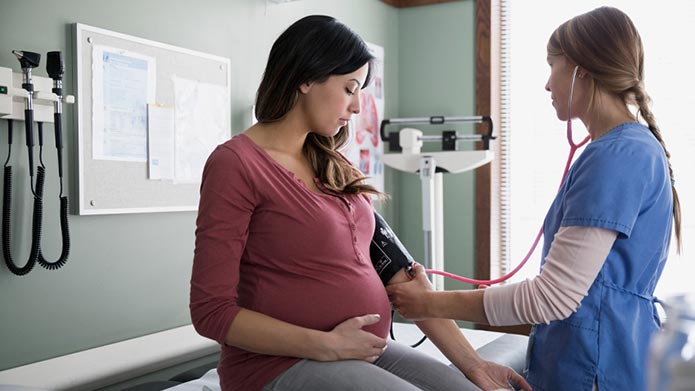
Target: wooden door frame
483, 175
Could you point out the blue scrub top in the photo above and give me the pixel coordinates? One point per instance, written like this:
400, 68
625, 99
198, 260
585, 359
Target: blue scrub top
620, 182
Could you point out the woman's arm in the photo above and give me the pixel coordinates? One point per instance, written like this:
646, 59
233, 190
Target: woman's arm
575, 258
418, 301
445, 335
448, 338
573, 262
259, 333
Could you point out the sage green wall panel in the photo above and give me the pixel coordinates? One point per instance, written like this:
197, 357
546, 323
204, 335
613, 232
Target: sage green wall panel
437, 77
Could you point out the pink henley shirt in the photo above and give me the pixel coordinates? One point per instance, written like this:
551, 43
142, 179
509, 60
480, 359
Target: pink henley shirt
267, 243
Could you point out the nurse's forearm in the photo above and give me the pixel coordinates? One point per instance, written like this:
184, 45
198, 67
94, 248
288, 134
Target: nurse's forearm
461, 305
575, 258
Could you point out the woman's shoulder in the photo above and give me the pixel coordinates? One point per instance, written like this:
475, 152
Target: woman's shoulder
239, 143
628, 151
626, 136
230, 155
627, 142
239, 147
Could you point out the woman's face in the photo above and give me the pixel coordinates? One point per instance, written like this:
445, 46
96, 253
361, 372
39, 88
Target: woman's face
559, 84
330, 105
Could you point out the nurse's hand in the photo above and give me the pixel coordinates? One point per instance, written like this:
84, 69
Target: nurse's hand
492, 376
412, 299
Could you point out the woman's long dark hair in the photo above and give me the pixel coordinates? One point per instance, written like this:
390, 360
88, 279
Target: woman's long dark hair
310, 50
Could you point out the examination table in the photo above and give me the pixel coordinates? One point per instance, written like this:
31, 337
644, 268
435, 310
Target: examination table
507, 349
160, 360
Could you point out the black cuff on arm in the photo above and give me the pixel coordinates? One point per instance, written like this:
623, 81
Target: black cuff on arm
388, 254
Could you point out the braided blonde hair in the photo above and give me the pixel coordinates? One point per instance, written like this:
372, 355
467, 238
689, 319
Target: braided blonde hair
606, 44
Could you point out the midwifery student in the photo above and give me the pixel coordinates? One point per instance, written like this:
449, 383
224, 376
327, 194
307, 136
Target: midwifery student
607, 232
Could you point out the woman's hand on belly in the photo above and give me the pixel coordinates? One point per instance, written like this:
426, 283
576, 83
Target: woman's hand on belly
347, 341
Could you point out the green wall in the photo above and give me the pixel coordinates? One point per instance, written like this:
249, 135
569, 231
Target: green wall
128, 275
437, 77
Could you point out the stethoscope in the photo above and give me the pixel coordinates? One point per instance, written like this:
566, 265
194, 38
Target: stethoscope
573, 149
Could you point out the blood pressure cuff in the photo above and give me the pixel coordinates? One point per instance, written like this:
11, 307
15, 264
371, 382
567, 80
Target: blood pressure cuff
388, 254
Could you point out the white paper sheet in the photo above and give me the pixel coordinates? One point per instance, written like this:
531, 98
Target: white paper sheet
160, 141
123, 83
202, 124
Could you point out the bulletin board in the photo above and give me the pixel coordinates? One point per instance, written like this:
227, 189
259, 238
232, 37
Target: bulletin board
115, 171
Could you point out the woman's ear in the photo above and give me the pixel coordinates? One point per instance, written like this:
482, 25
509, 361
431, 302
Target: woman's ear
305, 87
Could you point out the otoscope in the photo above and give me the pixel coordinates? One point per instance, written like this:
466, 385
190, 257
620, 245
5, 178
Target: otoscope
28, 61
55, 69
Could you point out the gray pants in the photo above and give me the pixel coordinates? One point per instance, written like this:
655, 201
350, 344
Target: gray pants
400, 368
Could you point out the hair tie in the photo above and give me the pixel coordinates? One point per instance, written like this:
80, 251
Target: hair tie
673, 182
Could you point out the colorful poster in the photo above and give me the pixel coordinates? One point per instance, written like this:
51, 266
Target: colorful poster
365, 148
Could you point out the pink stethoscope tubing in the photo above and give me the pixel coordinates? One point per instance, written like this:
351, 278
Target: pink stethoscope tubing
573, 149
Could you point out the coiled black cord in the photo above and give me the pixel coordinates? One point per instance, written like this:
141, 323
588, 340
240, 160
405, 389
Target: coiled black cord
6, 222
64, 230
36, 220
